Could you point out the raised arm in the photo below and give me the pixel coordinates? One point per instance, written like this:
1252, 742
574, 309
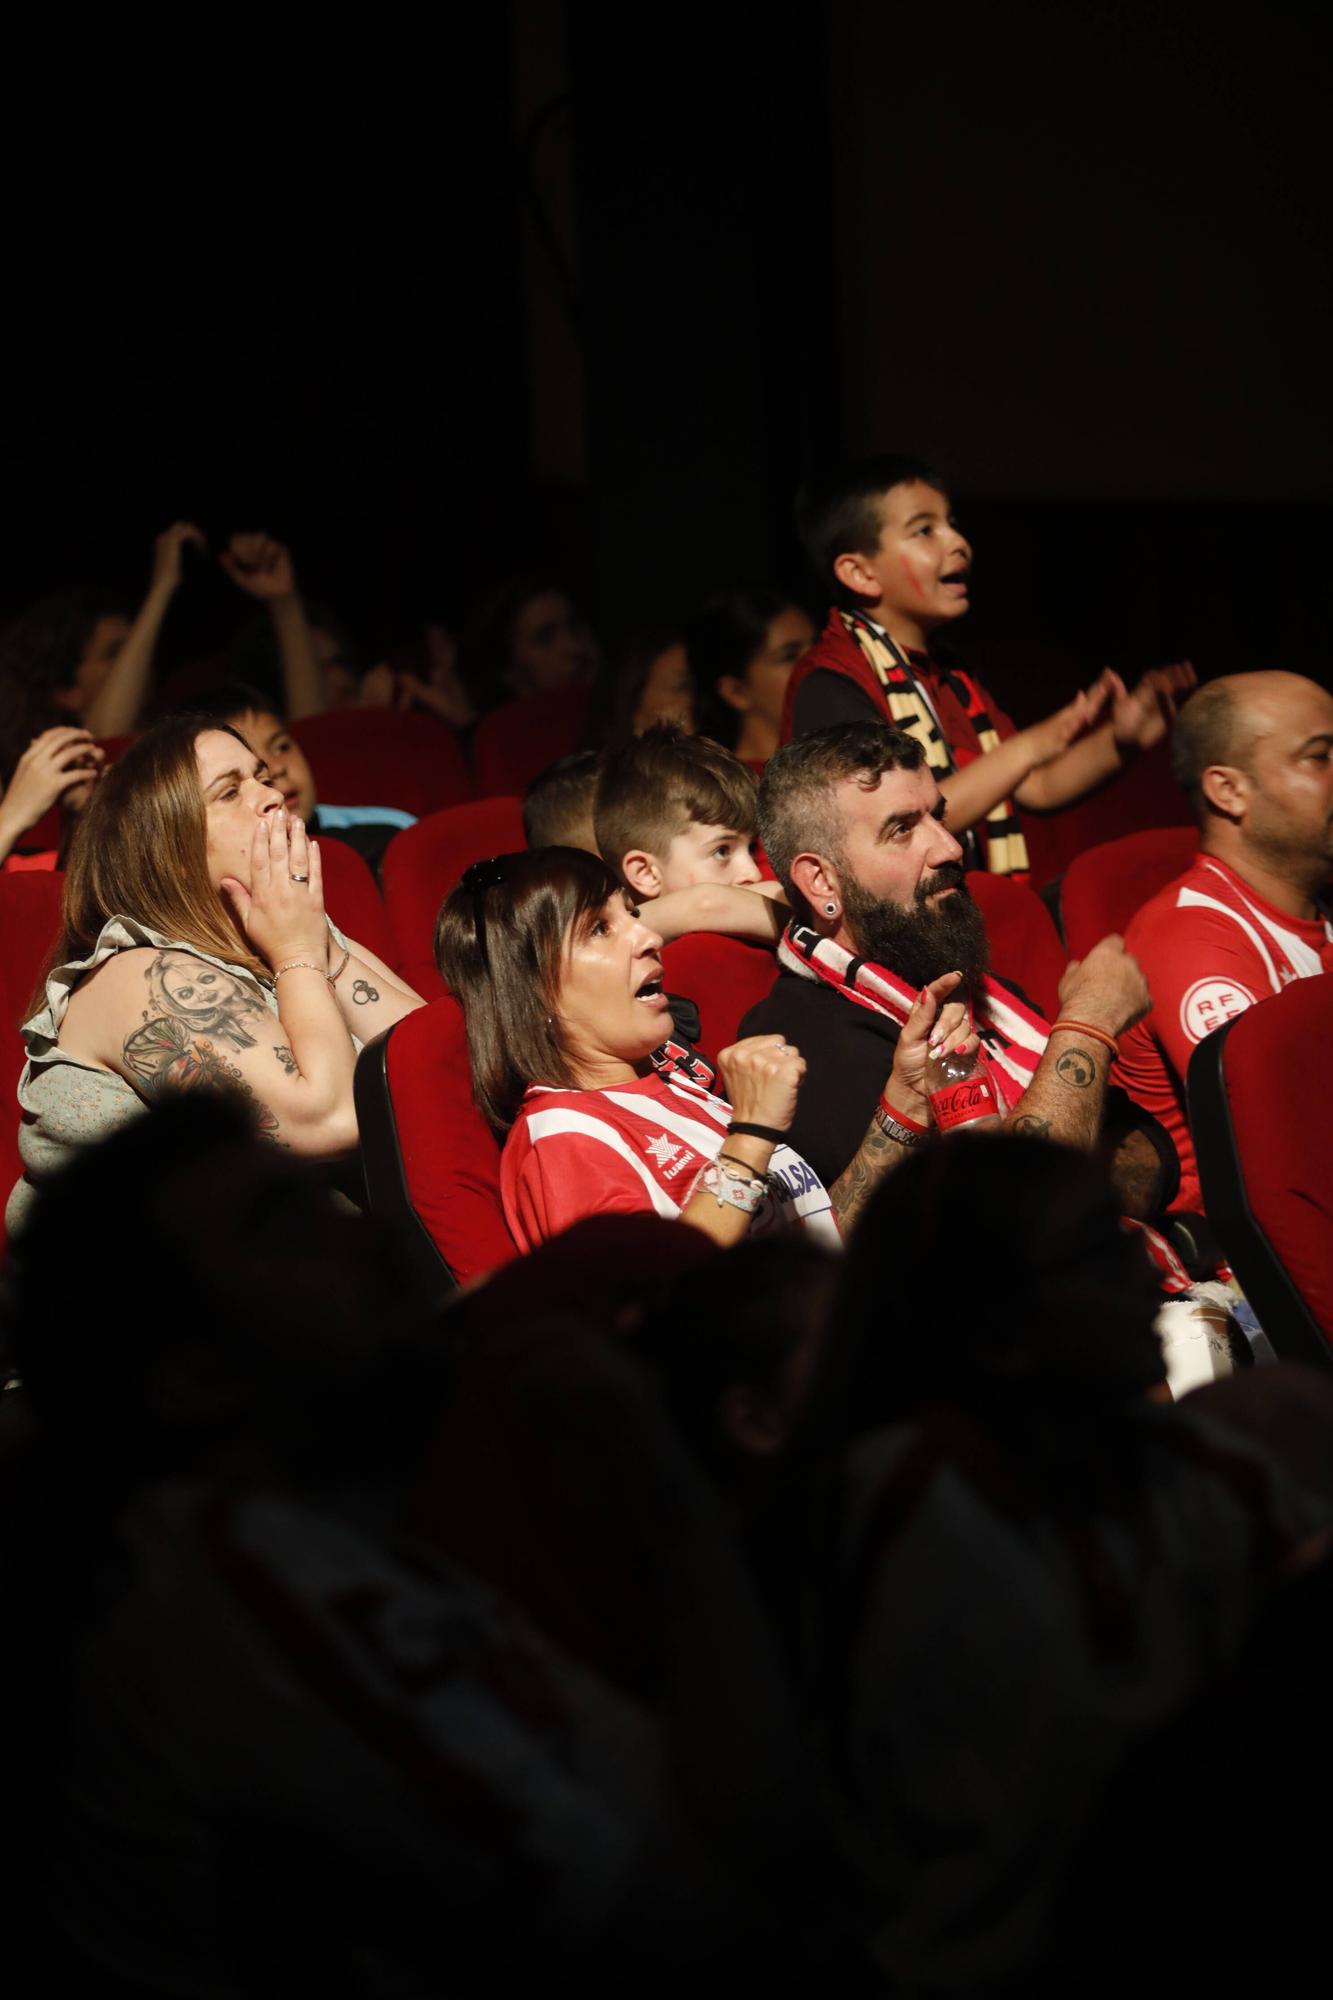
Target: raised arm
1139, 720
1007, 771
758, 913
264, 569
118, 703
205, 1026
1104, 993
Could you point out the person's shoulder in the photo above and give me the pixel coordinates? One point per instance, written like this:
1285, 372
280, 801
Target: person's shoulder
1176, 912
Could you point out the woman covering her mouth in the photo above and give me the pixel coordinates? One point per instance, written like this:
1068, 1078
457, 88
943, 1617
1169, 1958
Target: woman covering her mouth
568, 1035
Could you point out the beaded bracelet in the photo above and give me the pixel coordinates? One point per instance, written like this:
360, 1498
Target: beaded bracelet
299, 965
1085, 1028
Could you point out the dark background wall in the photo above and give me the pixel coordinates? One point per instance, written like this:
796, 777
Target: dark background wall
546, 293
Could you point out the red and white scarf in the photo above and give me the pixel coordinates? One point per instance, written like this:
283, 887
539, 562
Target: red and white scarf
1013, 1036
1013, 1040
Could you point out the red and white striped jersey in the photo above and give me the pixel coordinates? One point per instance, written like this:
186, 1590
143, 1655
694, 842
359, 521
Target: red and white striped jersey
575, 1153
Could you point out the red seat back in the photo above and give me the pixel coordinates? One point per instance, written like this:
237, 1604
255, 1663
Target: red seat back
384, 757
424, 862
29, 926
1025, 946
430, 1159
514, 743
1143, 796
724, 976
353, 901
1264, 1144
1109, 884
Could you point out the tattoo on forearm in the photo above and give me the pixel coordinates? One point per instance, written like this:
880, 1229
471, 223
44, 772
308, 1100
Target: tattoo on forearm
1032, 1128
206, 998
287, 1059
363, 992
164, 1056
857, 1182
1076, 1067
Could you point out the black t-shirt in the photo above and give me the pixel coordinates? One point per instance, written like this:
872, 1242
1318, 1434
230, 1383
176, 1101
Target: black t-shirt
848, 1054
824, 699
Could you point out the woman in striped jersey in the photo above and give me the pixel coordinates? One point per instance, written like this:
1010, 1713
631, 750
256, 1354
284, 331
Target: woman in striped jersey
568, 1035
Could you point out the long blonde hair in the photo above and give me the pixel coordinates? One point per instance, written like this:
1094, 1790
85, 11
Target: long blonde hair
140, 850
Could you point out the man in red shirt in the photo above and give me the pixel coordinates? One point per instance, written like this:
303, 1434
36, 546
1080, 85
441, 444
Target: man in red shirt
882, 536
1255, 752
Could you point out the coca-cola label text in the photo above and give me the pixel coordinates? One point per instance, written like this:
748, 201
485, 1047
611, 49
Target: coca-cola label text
960, 1103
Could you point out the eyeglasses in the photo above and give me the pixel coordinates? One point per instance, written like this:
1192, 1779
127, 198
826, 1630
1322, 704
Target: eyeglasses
477, 879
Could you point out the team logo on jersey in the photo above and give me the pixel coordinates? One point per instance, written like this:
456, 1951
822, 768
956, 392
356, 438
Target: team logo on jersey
662, 1150
1210, 1003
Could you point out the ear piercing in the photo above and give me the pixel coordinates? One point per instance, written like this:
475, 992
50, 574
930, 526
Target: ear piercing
830, 909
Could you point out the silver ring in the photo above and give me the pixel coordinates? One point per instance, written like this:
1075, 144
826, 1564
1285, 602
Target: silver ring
298, 878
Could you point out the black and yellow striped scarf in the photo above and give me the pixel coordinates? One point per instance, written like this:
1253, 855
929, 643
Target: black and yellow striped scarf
1005, 848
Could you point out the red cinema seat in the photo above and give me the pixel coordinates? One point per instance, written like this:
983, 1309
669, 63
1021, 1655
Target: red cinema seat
514, 743
1109, 884
1025, 946
424, 862
724, 976
353, 901
1143, 796
384, 757
29, 926
1264, 1143
431, 1162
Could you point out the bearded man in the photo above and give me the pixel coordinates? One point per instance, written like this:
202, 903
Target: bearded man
853, 822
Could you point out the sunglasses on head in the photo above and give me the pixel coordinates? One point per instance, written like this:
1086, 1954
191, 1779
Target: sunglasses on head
477, 879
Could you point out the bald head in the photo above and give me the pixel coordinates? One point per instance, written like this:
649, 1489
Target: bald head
1226, 720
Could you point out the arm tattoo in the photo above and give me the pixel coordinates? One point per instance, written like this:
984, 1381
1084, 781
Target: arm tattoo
164, 1057
1032, 1128
287, 1059
1076, 1067
362, 992
858, 1180
206, 999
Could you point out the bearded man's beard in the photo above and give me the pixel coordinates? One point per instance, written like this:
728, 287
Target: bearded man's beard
920, 943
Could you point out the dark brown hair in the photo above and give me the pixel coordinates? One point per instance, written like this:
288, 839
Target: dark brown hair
140, 850
797, 810
501, 950
653, 787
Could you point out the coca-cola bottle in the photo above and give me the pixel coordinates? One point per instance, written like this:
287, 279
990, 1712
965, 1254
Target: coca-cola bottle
960, 1090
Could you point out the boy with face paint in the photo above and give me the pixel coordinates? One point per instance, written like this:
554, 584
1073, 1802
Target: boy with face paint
882, 535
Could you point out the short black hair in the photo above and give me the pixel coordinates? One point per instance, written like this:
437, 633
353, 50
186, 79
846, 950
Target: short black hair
841, 510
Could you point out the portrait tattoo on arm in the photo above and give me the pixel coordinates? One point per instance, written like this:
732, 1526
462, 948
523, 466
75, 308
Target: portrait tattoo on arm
163, 1055
207, 999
